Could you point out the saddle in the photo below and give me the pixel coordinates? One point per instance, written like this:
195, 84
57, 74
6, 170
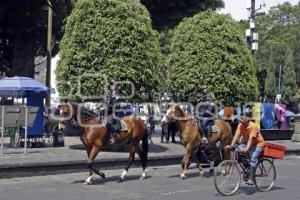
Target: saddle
119, 126
204, 128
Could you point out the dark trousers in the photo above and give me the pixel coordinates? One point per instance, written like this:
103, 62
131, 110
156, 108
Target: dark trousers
205, 127
113, 124
169, 129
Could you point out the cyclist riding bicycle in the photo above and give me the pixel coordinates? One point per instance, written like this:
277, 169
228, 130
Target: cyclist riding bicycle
252, 141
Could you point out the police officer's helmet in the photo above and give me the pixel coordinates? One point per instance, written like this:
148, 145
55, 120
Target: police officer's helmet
205, 91
112, 82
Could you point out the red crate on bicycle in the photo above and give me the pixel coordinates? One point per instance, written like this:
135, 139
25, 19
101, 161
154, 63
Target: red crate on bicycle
273, 151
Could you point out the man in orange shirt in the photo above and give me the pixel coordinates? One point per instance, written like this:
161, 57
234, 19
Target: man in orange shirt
251, 141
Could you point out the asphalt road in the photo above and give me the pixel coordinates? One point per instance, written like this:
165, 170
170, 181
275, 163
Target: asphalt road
163, 183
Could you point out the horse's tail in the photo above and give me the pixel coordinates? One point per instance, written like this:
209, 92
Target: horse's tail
145, 149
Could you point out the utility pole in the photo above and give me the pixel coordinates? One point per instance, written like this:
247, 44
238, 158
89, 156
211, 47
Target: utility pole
251, 35
49, 42
279, 84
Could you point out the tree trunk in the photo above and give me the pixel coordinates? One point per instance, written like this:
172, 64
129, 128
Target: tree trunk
23, 56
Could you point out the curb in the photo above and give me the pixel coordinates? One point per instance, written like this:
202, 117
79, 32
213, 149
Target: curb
61, 167
40, 169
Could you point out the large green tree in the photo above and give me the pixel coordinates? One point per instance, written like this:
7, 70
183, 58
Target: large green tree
270, 82
209, 51
279, 32
111, 38
289, 84
23, 32
166, 13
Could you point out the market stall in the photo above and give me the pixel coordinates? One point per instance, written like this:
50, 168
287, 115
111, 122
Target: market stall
28, 113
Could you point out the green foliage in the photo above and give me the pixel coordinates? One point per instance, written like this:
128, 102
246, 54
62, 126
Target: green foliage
166, 13
289, 85
23, 32
270, 83
209, 51
112, 38
279, 32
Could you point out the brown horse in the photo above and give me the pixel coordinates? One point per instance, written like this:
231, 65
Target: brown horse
192, 137
94, 137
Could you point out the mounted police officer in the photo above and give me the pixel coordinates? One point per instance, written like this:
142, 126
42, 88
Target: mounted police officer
113, 123
207, 113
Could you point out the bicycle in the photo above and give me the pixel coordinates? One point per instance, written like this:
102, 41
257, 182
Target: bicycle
233, 170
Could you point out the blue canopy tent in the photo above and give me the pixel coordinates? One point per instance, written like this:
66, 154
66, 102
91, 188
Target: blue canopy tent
34, 91
21, 87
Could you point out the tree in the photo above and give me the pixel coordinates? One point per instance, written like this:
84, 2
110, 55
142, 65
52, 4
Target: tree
209, 51
23, 32
289, 84
270, 83
279, 31
166, 13
111, 38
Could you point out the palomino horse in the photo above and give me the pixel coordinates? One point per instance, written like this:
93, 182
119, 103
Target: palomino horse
94, 136
192, 138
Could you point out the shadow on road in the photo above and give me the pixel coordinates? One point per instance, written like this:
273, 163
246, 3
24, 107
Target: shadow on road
191, 175
248, 190
153, 148
99, 181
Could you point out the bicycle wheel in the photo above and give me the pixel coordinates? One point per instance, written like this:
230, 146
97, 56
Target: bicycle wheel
265, 175
227, 177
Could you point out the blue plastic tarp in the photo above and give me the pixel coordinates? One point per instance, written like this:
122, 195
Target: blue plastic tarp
267, 115
37, 129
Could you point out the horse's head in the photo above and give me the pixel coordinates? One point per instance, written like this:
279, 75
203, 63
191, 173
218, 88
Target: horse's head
67, 111
174, 112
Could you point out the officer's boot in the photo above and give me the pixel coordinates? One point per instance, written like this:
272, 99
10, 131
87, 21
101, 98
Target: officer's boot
112, 139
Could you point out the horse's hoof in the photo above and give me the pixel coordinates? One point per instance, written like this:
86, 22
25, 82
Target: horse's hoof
143, 178
201, 173
120, 180
223, 172
102, 175
183, 176
87, 183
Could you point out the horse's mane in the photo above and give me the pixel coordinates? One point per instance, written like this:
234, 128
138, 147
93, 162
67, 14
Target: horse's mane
85, 112
183, 114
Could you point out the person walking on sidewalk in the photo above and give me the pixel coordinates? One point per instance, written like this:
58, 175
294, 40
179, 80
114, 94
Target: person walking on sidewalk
252, 141
46, 121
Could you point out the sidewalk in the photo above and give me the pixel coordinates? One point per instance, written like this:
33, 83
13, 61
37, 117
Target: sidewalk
74, 152
73, 156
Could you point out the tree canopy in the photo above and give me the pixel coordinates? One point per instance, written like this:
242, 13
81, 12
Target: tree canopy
166, 13
112, 38
279, 33
209, 51
23, 32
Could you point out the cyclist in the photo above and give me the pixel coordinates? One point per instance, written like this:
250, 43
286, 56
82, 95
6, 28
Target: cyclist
252, 141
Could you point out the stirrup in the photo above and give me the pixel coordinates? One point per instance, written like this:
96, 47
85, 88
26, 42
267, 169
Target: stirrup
204, 140
112, 140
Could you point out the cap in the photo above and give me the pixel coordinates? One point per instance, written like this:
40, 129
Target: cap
248, 112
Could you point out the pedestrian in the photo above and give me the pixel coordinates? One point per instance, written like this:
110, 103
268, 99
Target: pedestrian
152, 125
46, 121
